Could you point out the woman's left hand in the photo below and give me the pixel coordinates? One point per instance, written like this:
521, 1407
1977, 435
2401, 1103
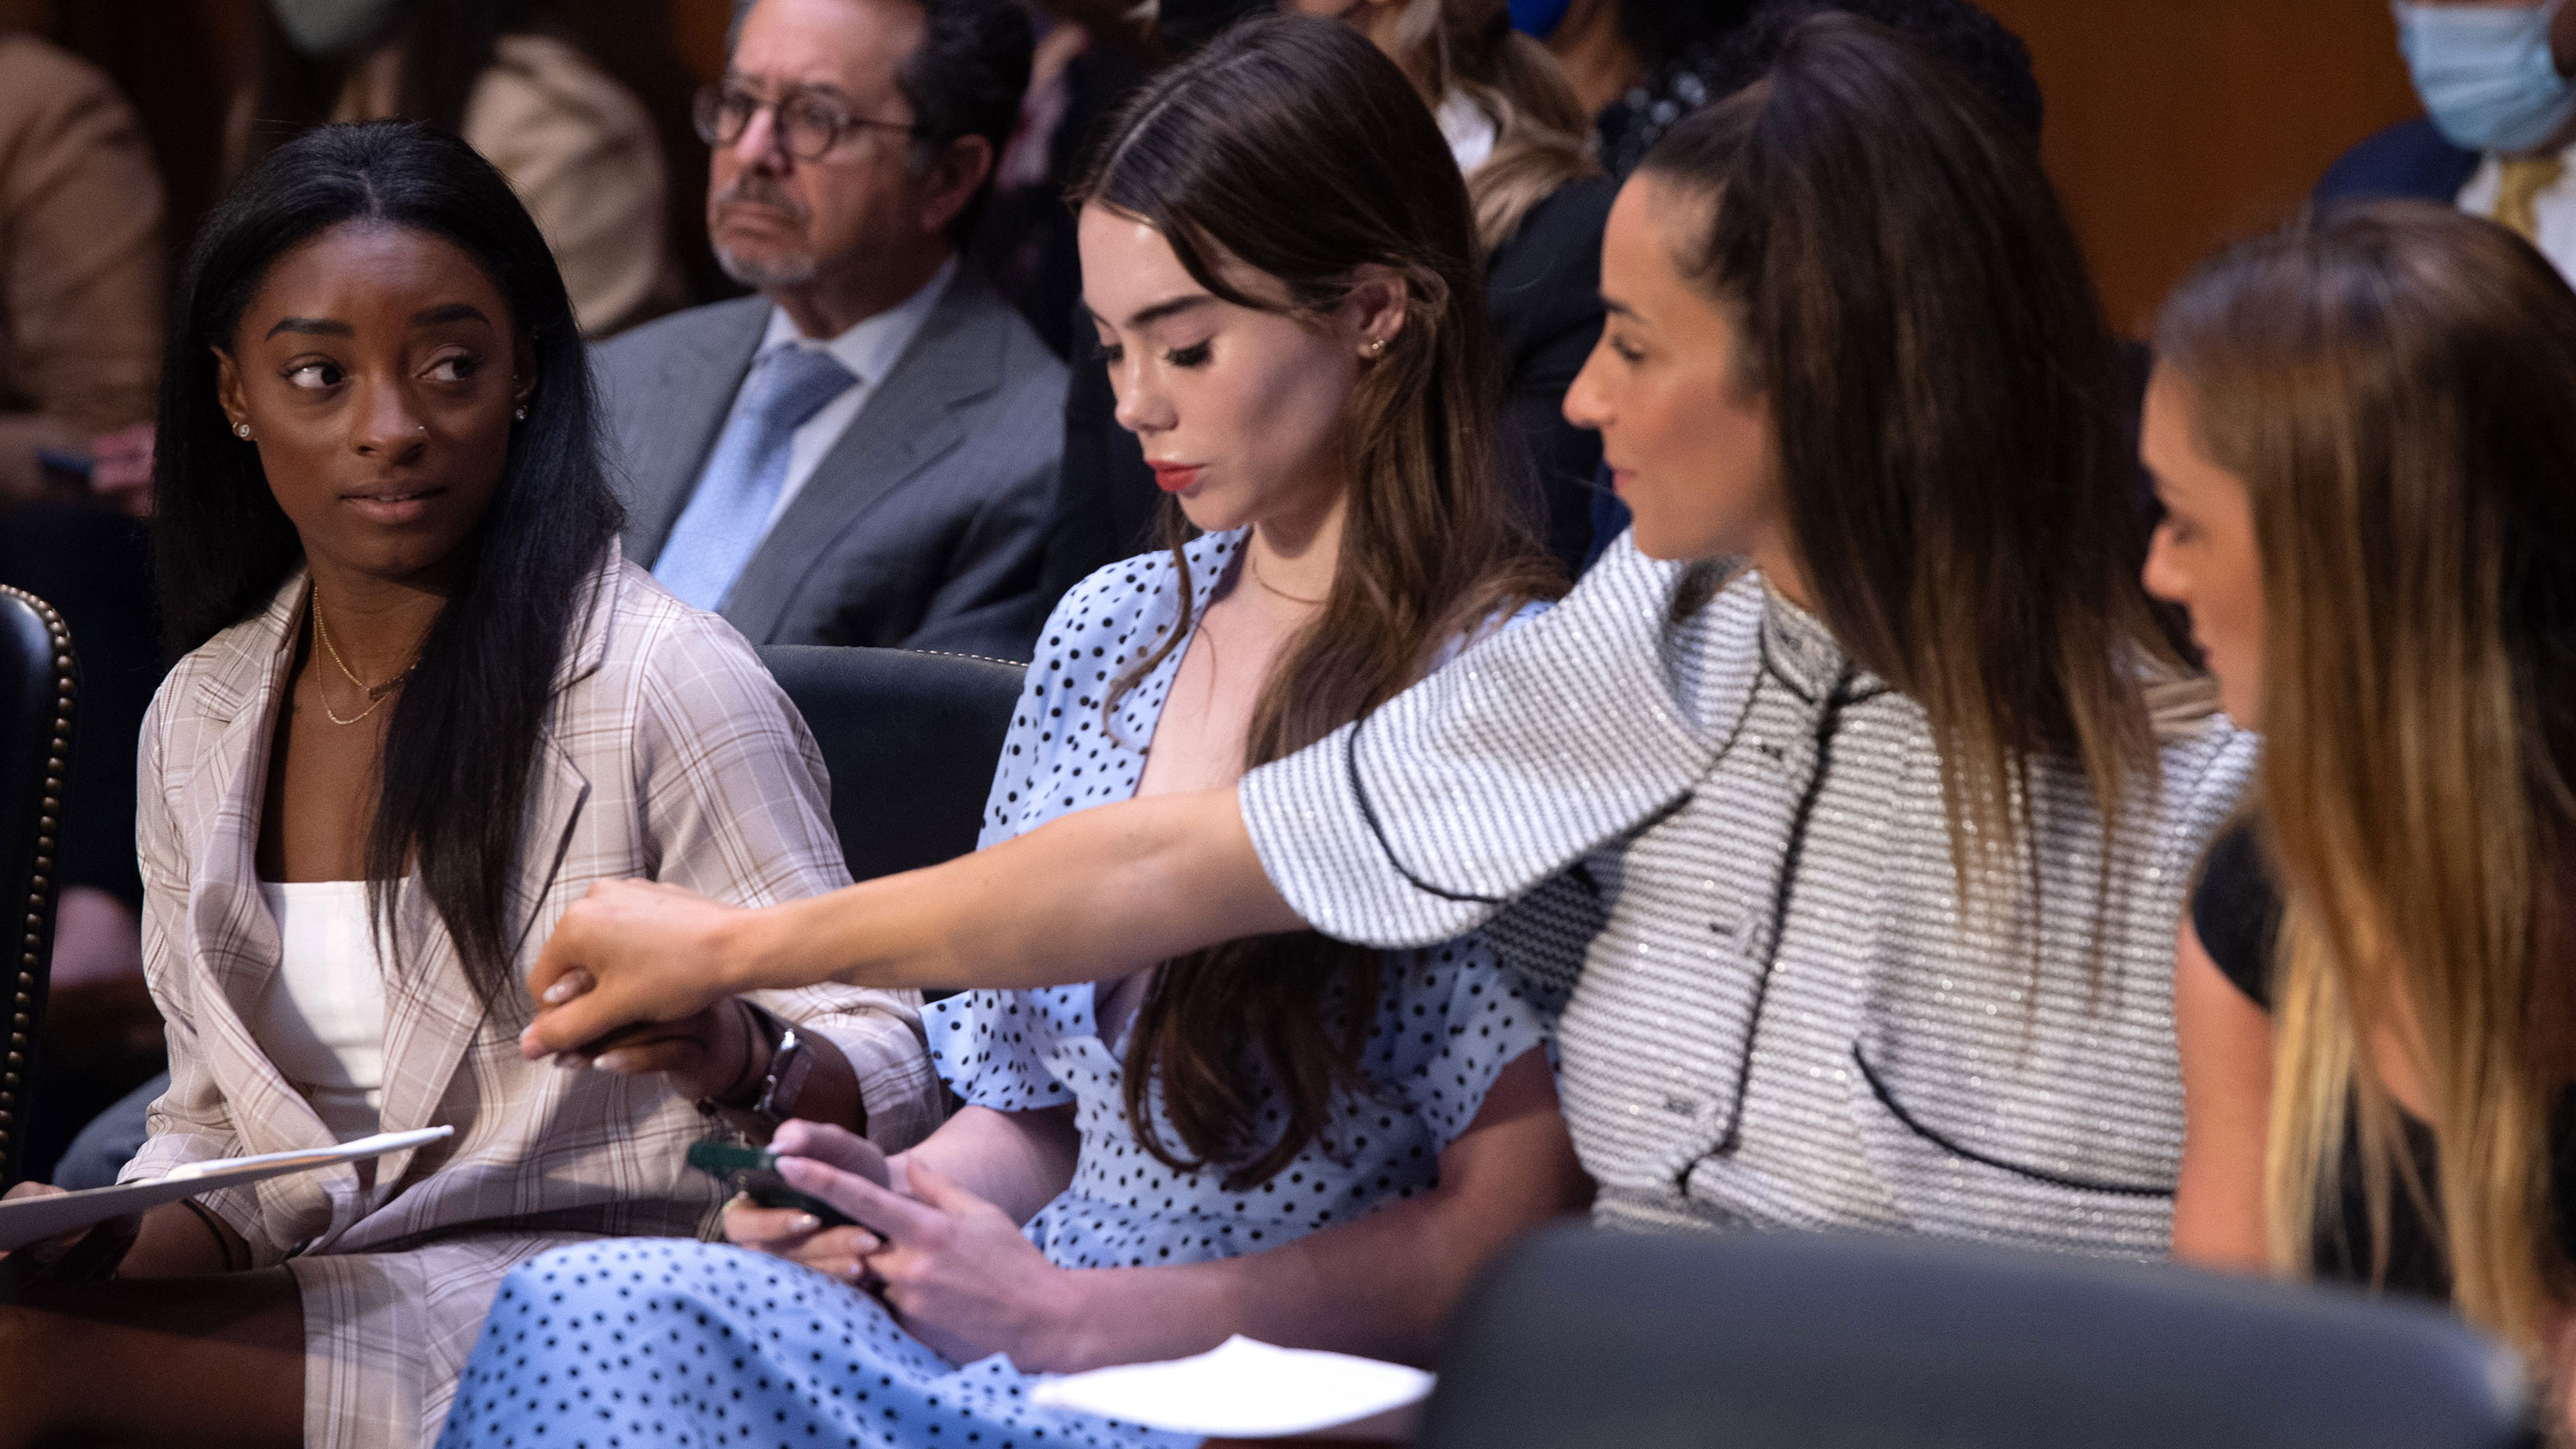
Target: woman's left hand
955, 1268
706, 1055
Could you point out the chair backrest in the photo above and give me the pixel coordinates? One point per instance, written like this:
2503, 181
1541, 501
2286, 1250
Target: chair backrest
37, 684
911, 739
1767, 1341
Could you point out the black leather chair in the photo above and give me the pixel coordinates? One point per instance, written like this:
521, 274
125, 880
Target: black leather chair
37, 687
910, 738
1801, 1341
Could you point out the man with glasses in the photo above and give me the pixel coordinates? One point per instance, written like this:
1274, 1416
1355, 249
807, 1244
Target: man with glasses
865, 452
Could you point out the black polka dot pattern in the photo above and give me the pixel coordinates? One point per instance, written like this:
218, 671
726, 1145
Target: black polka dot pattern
1447, 1021
664, 1342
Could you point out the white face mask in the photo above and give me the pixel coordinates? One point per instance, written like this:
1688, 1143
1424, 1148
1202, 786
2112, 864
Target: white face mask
329, 27
2486, 73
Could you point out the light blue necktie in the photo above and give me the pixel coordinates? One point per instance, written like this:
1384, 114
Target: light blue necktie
727, 515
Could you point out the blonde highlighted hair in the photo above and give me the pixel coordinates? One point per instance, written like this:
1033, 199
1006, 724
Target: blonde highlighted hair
2396, 386
1541, 135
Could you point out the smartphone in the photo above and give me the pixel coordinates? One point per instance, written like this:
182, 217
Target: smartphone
753, 1172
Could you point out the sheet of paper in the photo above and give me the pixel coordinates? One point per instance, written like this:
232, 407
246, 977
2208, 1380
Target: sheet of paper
34, 1219
1242, 1389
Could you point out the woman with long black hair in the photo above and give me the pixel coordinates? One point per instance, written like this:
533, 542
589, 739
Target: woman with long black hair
424, 703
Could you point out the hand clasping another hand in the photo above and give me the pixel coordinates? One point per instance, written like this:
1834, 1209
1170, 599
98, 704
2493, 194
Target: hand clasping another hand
629, 952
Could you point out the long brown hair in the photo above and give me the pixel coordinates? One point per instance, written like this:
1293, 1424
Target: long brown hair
2396, 386
1541, 135
1942, 384
1293, 147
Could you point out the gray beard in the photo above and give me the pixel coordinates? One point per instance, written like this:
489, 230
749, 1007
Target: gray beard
761, 275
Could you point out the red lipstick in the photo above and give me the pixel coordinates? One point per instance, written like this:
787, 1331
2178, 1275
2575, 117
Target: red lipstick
1176, 477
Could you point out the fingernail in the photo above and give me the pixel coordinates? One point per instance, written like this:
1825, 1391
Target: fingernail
559, 993
611, 1062
804, 1223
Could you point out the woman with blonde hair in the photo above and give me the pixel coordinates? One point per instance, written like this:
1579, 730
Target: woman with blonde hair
2364, 430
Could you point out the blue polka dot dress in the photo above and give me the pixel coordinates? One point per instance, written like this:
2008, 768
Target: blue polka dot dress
667, 1342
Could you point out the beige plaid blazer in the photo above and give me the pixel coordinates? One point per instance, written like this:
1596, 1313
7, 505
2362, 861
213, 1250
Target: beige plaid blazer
670, 754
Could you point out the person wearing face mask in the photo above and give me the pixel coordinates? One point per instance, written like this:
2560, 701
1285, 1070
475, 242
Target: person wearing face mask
2499, 132
516, 81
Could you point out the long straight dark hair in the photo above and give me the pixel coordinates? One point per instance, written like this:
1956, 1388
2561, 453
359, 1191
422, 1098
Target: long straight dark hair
1294, 147
454, 778
1944, 390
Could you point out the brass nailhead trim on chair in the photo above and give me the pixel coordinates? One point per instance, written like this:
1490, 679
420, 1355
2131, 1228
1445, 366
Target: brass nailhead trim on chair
31, 952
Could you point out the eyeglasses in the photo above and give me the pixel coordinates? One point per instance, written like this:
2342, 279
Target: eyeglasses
808, 125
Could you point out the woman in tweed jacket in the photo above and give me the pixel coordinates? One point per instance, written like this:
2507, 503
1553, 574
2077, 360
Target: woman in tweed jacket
1850, 867
377, 465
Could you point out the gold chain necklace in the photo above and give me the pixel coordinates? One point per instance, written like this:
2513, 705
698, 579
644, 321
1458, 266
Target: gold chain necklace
1253, 562
376, 693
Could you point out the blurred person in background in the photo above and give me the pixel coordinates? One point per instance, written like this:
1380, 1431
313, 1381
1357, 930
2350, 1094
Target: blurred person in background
1089, 57
513, 80
1630, 59
80, 262
1520, 136
80, 335
865, 452
2500, 122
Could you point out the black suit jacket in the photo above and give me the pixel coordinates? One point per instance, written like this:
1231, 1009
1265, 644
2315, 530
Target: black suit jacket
1543, 292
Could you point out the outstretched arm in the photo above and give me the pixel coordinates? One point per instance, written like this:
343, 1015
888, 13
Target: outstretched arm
1084, 897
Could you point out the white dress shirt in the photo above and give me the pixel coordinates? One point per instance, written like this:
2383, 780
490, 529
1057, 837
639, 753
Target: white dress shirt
2553, 206
869, 349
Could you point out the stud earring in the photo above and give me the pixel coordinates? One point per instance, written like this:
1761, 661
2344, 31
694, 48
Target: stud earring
1377, 347
522, 413
242, 431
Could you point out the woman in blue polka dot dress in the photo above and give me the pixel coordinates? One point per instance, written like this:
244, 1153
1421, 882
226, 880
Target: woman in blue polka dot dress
1308, 1143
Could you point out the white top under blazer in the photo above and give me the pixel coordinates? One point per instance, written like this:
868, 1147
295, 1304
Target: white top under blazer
322, 1017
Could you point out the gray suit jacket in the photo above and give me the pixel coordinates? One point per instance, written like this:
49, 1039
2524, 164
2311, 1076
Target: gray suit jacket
924, 526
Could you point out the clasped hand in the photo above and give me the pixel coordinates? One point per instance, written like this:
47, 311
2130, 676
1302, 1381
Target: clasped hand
629, 953
953, 1267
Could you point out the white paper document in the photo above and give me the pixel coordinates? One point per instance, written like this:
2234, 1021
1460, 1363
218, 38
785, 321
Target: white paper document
33, 1219
1242, 1389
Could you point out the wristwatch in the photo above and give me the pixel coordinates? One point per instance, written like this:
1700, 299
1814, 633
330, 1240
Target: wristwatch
790, 1063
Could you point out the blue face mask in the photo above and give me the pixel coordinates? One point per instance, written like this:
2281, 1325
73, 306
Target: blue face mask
1538, 17
2486, 73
